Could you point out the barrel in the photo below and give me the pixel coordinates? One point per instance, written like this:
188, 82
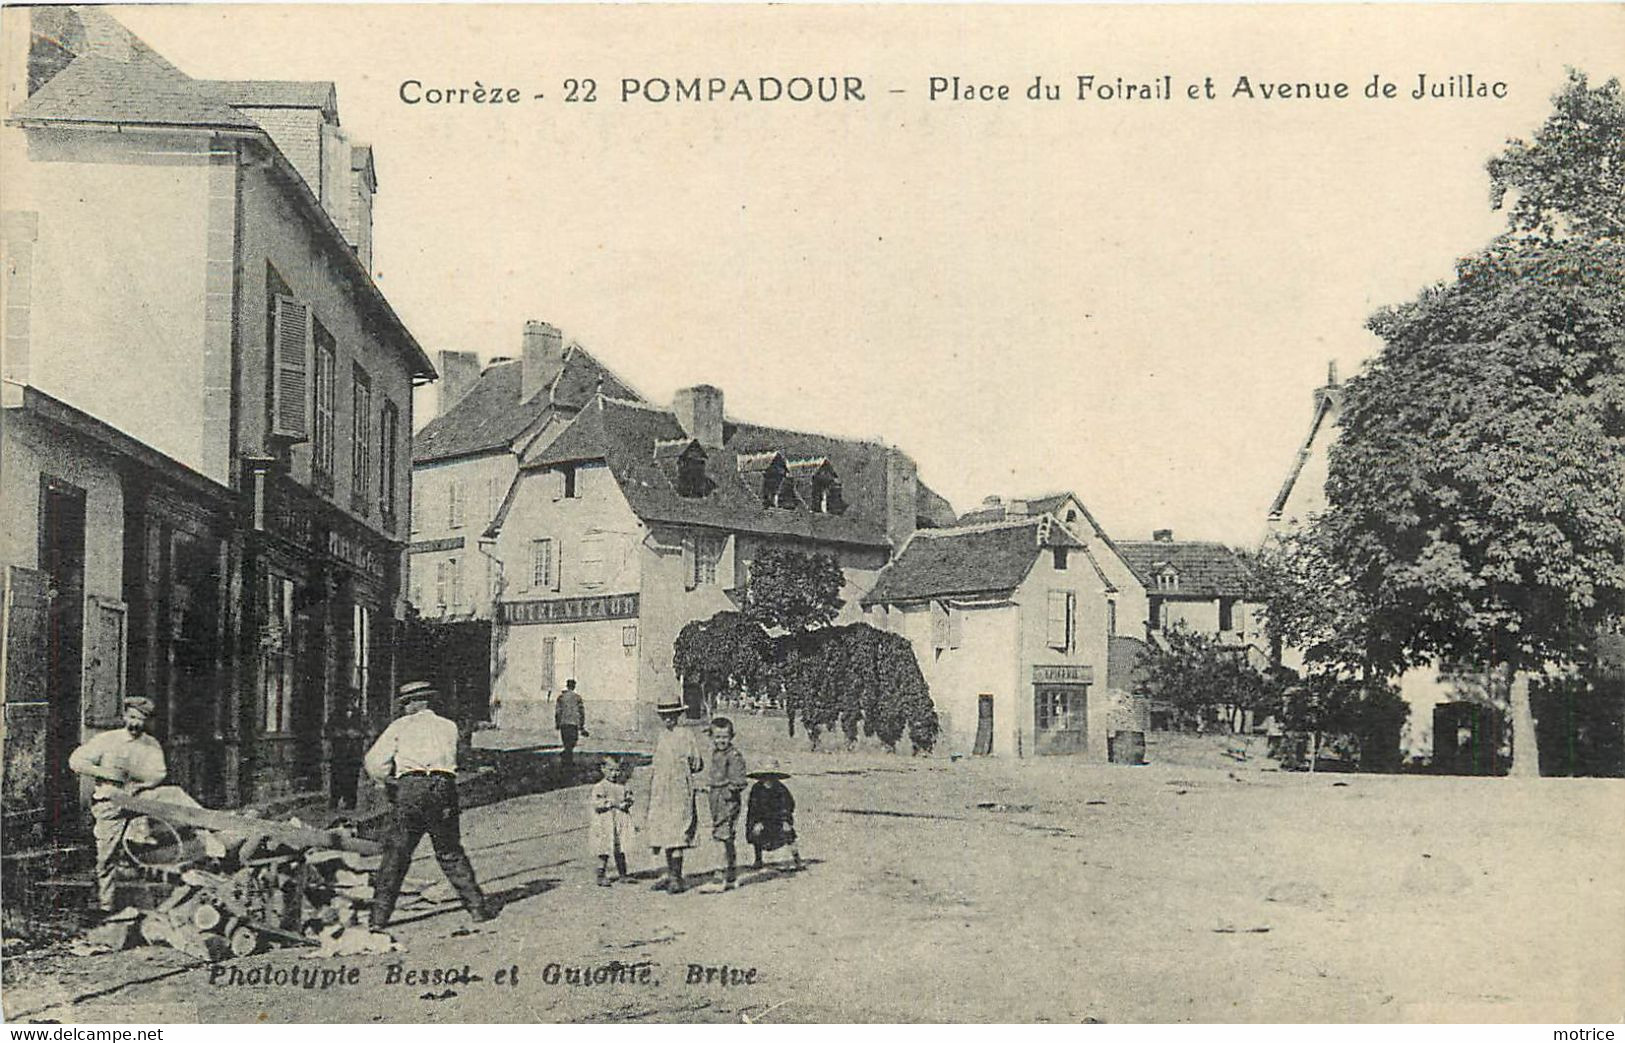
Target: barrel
1126, 748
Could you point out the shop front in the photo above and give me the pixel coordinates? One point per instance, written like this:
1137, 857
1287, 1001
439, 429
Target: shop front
321, 589
1061, 708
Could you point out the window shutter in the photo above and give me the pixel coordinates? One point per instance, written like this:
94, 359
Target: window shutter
690, 563
939, 625
104, 662
725, 563
1057, 619
290, 387
558, 564
549, 657
1071, 621
956, 627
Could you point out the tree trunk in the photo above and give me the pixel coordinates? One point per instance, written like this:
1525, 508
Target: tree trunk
1525, 750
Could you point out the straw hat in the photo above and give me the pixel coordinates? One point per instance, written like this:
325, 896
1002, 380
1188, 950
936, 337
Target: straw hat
414, 692
141, 705
670, 704
770, 769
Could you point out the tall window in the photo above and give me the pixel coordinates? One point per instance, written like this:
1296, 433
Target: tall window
547, 668
1062, 628
702, 553
322, 442
1111, 618
417, 506
569, 482
1060, 558
541, 564
388, 448
361, 438
361, 653
277, 647
454, 568
441, 586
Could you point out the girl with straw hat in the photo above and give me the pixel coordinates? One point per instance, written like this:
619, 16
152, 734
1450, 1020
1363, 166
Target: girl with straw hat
677, 771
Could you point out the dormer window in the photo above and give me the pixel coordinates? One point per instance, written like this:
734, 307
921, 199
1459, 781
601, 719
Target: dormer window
778, 490
1168, 579
691, 480
826, 491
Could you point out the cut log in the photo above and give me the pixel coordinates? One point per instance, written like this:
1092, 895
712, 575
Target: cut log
206, 917
244, 940
224, 822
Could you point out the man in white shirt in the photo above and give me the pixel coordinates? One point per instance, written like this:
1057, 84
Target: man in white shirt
416, 759
125, 760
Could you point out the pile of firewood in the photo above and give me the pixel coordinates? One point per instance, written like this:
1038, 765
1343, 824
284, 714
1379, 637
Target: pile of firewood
238, 884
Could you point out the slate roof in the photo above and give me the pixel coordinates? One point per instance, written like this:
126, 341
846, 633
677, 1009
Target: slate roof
113, 77
1206, 570
491, 416
640, 443
979, 559
276, 94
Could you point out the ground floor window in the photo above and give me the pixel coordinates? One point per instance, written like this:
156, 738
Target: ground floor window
277, 654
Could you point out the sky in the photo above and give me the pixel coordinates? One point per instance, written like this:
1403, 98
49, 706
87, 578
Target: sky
1130, 299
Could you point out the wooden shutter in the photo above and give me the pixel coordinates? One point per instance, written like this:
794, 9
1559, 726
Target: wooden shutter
690, 563
292, 349
939, 625
956, 627
26, 612
1057, 619
104, 662
24, 615
549, 657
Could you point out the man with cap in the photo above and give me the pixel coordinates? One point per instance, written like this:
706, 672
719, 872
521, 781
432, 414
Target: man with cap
125, 760
416, 758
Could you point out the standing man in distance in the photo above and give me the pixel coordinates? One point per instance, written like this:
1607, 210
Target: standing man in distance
416, 759
125, 760
570, 718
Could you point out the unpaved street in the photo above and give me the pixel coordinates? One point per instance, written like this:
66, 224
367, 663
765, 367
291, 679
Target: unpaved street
1191, 889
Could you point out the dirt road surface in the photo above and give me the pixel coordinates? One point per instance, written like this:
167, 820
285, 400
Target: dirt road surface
1040, 890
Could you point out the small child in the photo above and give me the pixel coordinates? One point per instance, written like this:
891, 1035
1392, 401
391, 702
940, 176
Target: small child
770, 820
726, 783
611, 829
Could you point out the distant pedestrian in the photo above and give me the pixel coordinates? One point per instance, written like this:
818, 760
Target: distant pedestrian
726, 782
677, 770
611, 830
415, 759
570, 718
770, 814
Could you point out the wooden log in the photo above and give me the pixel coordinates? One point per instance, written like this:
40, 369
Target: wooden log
238, 826
244, 940
206, 917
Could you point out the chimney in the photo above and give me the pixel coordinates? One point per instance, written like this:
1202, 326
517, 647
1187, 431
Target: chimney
458, 372
543, 354
1017, 509
1163, 536
699, 411
992, 501
1331, 394
902, 497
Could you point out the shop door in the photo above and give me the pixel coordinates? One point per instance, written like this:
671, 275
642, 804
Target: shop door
1060, 718
191, 661
984, 725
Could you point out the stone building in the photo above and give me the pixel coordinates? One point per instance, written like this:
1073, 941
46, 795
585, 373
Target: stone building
636, 519
206, 395
1009, 621
465, 460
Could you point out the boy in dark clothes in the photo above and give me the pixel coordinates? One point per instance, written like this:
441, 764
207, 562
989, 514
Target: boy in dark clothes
770, 818
727, 781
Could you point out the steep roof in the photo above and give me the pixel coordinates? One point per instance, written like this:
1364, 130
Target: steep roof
1206, 570
112, 77
641, 443
492, 415
276, 94
980, 559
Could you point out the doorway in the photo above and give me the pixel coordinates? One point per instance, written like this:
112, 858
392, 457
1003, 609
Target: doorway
1060, 718
62, 559
984, 726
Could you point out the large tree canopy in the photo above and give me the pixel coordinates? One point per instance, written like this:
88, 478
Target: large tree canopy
1477, 491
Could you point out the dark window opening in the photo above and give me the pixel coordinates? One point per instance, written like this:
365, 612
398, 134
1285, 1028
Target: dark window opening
691, 480
570, 482
1060, 558
1227, 614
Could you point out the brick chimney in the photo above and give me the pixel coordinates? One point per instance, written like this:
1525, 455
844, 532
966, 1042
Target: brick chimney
1018, 509
543, 358
1163, 535
1332, 393
902, 496
699, 411
459, 370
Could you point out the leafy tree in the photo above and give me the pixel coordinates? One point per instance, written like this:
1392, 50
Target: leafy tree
793, 592
1199, 677
726, 653
1477, 491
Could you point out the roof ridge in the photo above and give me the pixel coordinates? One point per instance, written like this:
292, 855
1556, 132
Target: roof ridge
965, 530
